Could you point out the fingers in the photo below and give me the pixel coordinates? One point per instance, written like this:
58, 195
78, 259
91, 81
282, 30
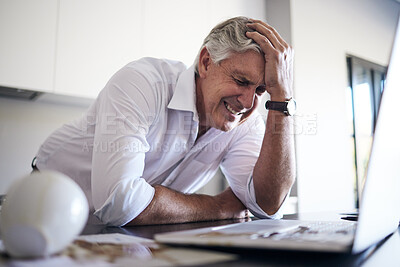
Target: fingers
263, 41
266, 34
278, 57
279, 37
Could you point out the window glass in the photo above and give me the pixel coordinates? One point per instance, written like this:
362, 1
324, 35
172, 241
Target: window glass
363, 94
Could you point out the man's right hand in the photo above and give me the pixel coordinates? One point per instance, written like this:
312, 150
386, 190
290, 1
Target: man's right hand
231, 204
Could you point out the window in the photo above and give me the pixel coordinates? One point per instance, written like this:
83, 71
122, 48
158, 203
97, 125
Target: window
366, 81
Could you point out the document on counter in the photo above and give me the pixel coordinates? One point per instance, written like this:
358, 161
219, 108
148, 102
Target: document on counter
120, 250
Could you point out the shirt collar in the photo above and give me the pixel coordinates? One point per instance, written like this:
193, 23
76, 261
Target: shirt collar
184, 97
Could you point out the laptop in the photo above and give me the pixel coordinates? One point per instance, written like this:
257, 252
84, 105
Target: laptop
379, 211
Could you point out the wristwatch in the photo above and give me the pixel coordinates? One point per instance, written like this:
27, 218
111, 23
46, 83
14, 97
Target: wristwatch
288, 107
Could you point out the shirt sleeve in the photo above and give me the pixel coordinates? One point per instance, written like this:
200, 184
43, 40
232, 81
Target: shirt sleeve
125, 109
239, 162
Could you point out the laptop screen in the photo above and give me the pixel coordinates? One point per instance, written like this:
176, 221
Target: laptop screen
379, 208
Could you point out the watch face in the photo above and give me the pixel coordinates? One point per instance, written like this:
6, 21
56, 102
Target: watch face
291, 107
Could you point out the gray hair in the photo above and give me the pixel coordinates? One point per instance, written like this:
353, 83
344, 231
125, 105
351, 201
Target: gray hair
226, 38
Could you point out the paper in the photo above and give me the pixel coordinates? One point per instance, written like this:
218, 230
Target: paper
120, 250
115, 239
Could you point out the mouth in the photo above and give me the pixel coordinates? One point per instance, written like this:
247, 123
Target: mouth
231, 110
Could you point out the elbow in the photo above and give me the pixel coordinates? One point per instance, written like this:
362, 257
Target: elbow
272, 202
271, 208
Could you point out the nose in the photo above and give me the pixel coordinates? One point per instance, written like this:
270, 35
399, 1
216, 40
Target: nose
246, 98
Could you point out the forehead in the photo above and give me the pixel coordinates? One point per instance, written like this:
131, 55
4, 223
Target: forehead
249, 65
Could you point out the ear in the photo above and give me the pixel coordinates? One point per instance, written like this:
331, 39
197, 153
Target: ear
204, 62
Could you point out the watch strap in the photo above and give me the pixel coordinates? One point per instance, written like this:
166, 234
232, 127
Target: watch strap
275, 105
287, 107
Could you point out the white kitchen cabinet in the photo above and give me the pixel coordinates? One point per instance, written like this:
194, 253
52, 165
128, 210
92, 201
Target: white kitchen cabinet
73, 47
95, 39
27, 43
175, 29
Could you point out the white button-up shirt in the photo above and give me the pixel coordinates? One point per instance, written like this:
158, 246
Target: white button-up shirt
141, 131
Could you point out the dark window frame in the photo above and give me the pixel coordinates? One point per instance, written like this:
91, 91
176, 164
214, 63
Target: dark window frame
377, 75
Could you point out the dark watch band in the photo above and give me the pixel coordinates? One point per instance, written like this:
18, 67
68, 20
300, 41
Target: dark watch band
275, 105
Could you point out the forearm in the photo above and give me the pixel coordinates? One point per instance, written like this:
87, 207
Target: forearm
169, 206
275, 170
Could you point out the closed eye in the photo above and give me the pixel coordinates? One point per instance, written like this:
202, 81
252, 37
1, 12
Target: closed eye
241, 82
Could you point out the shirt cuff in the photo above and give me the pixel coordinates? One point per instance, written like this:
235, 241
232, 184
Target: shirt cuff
256, 209
126, 201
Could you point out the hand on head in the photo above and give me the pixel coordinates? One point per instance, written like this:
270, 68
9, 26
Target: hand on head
278, 60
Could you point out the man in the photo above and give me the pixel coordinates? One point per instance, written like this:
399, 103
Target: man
158, 132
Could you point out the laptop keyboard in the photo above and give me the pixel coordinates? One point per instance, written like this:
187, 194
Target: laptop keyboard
316, 232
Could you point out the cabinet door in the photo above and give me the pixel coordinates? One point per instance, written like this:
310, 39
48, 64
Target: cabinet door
182, 25
27, 46
96, 38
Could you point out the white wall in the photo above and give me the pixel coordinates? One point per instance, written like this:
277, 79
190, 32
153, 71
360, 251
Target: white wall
187, 22
24, 125
323, 32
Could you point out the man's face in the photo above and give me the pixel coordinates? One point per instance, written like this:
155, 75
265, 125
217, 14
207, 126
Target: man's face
229, 92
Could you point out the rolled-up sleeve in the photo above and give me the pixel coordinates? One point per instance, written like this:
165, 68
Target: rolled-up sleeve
126, 201
125, 109
239, 162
